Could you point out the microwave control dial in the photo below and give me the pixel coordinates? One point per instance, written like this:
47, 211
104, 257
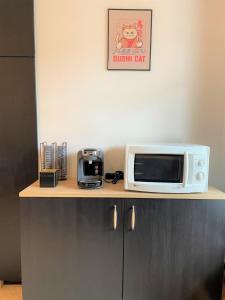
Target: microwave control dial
200, 176
201, 163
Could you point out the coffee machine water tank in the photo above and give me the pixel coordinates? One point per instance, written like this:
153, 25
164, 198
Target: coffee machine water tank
90, 168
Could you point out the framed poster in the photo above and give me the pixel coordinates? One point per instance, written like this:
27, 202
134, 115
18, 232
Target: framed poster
129, 39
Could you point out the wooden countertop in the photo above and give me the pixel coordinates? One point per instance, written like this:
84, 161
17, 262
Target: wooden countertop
69, 189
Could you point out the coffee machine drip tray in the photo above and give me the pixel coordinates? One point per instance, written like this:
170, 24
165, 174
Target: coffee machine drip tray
90, 184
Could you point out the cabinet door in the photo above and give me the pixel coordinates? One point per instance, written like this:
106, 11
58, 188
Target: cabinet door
70, 250
176, 250
16, 28
18, 155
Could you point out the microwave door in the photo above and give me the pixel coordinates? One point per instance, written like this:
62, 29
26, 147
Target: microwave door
161, 168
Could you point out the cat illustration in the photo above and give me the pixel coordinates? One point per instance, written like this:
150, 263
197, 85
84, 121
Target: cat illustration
130, 38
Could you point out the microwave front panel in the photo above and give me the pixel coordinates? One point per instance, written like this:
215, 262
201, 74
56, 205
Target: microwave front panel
165, 168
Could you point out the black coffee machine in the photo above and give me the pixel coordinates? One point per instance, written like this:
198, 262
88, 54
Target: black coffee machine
90, 168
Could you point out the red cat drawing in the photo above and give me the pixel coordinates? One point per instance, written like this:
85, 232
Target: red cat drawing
130, 37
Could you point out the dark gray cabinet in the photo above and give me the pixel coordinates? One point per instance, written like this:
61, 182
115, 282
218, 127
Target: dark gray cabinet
18, 155
176, 250
16, 28
18, 132
71, 251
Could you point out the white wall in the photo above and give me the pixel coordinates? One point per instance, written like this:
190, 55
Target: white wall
81, 102
216, 83
210, 116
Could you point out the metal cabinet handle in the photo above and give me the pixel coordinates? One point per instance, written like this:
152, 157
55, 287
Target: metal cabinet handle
115, 217
133, 218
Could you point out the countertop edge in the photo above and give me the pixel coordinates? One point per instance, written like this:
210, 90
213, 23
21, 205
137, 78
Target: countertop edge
68, 189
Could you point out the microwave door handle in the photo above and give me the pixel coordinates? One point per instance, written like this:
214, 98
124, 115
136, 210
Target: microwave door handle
186, 168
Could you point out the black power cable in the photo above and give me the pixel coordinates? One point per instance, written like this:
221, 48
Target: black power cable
114, 177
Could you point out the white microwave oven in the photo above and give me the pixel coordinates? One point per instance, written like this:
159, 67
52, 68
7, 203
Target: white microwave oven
167, 168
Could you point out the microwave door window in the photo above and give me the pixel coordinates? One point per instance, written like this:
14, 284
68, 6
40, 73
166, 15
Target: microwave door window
158, 168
